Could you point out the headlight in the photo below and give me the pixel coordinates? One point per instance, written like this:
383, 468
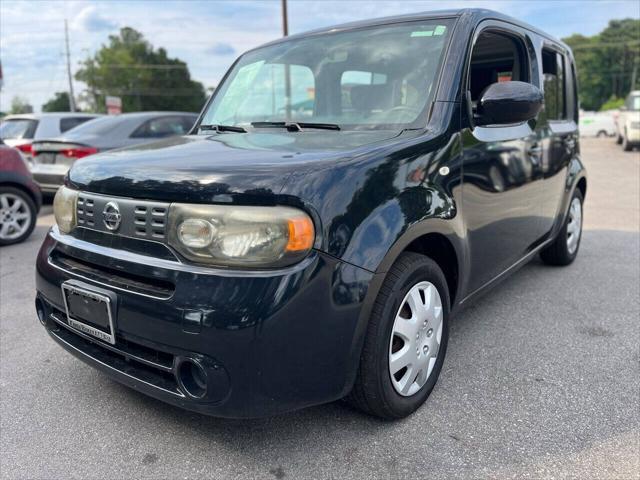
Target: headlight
64, 209
242, 236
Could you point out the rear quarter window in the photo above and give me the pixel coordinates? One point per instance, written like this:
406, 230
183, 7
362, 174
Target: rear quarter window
71, 122
553, 69
18, 128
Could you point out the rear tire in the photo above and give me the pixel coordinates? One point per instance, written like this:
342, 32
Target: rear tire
564, 248
18, 215
410, 282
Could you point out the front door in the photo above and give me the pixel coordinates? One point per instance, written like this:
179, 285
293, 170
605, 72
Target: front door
502, 177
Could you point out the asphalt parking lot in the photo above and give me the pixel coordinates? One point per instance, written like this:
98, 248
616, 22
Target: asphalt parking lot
542, 380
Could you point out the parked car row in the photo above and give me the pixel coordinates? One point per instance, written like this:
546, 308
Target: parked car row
52, 157
37, 150
21, 131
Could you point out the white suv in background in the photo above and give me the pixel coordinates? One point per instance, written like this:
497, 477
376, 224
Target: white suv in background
20, 131
628, 122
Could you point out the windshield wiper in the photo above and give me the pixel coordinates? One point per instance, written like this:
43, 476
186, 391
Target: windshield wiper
296, 126
223, 128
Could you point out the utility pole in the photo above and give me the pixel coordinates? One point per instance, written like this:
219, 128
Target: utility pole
287, 69
285, 19
72, 101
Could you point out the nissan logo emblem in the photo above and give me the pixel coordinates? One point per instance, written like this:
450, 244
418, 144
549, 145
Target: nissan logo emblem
111, 216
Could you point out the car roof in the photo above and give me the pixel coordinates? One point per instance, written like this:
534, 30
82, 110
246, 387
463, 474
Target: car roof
38, 116
152, 114
475, 14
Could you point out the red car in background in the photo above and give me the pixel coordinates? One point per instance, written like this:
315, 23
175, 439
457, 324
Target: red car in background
20, 197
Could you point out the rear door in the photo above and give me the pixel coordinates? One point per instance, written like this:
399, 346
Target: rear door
557, 127
501, 192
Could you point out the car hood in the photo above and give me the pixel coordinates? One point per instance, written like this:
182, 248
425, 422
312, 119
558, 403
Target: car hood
222, 167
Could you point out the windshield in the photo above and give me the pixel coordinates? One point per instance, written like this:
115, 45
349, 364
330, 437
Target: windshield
634, 102
379, 77
18, 128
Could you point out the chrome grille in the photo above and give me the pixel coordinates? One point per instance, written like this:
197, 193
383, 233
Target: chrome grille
85, 212
139, 218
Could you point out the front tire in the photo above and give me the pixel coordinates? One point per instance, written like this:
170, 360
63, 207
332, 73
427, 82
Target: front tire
17, 215
564, 248
406, 340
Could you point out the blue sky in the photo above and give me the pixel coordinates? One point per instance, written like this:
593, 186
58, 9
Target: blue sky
209, 35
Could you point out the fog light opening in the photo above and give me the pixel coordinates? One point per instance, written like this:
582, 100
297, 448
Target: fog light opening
41, 312
192, 378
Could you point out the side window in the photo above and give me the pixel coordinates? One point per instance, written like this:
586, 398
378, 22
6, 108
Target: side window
160, 128
71, 122
496, 57
553, 70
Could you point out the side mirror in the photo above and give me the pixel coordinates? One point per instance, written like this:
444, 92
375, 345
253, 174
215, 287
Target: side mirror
506, 103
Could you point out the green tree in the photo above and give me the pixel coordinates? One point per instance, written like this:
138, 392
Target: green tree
59, 103
612, 104
20, 105
606, 62
145, 78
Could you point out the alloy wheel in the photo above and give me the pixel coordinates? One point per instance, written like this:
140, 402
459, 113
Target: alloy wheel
15, 216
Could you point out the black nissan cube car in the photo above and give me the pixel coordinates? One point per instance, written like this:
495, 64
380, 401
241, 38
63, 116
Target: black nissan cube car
343, 193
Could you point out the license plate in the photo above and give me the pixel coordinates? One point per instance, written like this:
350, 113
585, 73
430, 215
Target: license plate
48, 168
89, 311
45, 158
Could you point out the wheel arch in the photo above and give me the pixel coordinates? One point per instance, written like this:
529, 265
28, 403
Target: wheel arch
582, 186
22, 188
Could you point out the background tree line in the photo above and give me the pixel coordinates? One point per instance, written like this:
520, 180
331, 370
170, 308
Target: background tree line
608, 64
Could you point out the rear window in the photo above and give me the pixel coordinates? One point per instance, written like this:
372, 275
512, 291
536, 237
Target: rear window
18, 128
164, 127
98, 125
68, 123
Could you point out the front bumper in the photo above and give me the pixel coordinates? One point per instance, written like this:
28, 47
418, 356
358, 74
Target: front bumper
270, 341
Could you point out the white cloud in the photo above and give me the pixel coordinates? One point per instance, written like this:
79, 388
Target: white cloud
91, 20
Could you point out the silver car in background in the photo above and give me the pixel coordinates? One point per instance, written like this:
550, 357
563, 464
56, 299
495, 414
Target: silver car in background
20, 131
53, 157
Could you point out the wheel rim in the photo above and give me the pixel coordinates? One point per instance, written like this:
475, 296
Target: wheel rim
415, 338
15, 216
574, 227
